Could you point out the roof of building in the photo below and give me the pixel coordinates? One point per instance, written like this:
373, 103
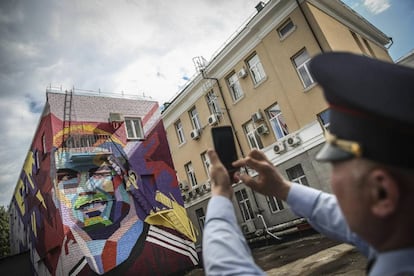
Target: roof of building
96, 108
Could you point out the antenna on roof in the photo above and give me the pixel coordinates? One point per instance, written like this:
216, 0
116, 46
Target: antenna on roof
200, 63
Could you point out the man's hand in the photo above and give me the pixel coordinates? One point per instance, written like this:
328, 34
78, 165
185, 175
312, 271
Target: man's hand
220, 179
269, 181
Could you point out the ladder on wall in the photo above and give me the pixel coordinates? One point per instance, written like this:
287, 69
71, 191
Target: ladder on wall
67, 117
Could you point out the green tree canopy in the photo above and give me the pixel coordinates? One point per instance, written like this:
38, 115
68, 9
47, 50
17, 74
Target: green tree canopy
4, 232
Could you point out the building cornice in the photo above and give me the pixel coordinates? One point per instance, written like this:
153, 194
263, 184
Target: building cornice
352, 19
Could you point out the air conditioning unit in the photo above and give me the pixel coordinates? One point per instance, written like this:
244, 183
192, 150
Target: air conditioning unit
195, 134
212, 119
262, 129
201, 189
248, 227
183, 186
208, 186
257, 117
242, 73
197, 189
293, 141
279, 147
185, 197
115, 117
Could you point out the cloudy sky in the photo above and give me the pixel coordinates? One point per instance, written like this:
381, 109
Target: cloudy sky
139, 47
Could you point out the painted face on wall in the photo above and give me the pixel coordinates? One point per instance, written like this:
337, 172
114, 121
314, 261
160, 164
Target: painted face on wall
97, 195
95, 206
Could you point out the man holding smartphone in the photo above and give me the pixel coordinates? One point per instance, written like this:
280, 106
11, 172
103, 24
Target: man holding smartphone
370, 146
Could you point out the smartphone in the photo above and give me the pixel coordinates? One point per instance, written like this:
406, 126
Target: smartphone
225, 147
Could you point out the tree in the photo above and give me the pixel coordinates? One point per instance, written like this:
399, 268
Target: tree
4, 232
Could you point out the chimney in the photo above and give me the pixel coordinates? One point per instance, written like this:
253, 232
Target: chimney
260, 6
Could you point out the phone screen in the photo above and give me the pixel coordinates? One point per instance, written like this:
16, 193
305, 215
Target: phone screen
223, 140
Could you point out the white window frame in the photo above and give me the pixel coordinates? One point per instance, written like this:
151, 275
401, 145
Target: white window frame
235, 87
180, 132
206, 163
189, 170
301, 179
301, 62
212, 102
133, 123
195, 119
244, 205
253, 138
256, 69
283, 32
275, 205
277, 121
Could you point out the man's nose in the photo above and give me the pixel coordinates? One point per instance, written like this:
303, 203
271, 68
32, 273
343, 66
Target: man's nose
89, 184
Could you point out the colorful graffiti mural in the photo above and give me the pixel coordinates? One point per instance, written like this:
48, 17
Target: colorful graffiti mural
102, 204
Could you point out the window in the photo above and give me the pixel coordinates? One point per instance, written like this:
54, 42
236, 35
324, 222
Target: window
286, 28
275, 204
180, 132
235, 88
195, 120
212, 103
301, 62
296, 174
206, 163
256, 69
244, 204
134, 128
44, 150
323, 119
201, 218
190, 174
252, 136
277, 121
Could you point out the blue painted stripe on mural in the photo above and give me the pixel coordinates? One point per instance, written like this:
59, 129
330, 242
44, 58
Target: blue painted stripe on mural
128, 240
96, 247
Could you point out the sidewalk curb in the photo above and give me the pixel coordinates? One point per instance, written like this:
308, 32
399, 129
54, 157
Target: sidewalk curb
309, 264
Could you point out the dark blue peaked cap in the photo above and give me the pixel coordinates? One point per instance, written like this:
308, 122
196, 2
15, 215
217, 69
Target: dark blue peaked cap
372, 108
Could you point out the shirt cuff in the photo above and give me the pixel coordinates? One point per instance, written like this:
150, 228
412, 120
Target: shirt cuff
220, 207
302, 199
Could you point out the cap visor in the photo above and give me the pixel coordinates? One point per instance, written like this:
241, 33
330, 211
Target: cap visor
330, 152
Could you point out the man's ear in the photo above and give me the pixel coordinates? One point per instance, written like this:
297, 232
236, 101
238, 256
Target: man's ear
384, 193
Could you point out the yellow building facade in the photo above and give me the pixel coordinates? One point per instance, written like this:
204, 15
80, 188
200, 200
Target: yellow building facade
259, 84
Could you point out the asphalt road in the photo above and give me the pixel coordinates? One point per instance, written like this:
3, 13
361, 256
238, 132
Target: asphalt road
277, 258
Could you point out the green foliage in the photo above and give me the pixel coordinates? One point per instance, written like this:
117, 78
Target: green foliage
4, 232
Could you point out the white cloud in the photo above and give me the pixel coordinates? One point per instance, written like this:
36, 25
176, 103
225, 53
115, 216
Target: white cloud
377, 6
135, 46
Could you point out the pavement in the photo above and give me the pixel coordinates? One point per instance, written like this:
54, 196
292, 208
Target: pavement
317, 262
312, 254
